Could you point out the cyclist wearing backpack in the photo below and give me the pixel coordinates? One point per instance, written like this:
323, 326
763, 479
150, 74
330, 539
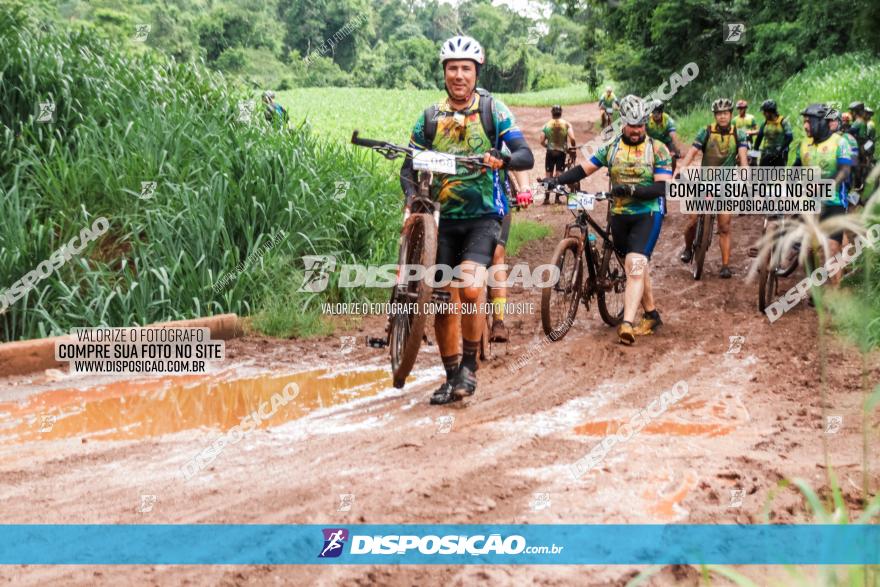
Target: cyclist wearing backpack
776, 136
557, 137
830, 152
639, 168
721, 145
472, 204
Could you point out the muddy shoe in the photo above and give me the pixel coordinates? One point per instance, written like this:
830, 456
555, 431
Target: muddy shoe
648, 325
625, 333
725, 272
465, 382
444, 395
686, 255
499, 332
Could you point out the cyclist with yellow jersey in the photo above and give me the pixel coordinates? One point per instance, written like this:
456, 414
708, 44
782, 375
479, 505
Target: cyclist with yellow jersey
557, 137
720, 145
661, 127
775, 135
472, 203
830, 152
639, 168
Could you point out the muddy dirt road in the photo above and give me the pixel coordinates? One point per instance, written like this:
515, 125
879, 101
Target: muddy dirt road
752, 416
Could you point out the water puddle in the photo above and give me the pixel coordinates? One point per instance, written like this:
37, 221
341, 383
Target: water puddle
138, 409
668, 427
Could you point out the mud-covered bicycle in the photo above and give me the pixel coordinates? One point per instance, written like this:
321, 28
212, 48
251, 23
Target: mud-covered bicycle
418, 246
587, 268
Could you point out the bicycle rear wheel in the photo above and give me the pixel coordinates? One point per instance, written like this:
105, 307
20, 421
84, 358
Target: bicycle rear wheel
418, 246
559, 302
701, 242
612, 285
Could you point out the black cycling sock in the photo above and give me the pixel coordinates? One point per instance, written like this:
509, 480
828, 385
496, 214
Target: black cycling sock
450, 363
653, 314
469, 356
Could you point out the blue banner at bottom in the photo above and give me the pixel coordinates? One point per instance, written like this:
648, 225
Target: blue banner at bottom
445, 544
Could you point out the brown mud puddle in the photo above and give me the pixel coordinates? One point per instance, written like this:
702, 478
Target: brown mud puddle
138, 409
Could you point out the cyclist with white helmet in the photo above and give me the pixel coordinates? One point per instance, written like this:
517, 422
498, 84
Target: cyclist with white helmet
720, 145
472, 203
639, 168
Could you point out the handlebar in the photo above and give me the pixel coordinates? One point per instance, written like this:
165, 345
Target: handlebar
356, 140
392, 151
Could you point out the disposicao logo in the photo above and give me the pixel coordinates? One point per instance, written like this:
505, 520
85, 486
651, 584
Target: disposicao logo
334, 541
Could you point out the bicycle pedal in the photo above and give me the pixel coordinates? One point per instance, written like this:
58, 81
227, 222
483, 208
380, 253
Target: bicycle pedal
376, 343
753, 252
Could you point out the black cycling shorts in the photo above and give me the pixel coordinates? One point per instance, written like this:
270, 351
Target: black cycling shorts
554, 161
471, 239
636, 233
830, 212
505, 230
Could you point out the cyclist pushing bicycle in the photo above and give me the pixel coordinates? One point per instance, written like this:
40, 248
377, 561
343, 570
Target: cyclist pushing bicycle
639, 168
472, 203
720, 145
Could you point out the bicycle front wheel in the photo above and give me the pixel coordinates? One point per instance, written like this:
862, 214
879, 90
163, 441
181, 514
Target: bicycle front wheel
612, 285
701, 242
418, 246
559, 301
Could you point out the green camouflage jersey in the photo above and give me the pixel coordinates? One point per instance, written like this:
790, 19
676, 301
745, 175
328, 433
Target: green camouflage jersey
828, 155
468, 193
719, 150
556, 132
662, 131
634, 165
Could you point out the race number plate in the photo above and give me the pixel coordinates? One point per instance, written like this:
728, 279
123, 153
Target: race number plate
581, 201
434, 162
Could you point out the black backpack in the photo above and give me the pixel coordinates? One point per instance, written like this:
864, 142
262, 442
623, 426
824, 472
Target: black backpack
487, 118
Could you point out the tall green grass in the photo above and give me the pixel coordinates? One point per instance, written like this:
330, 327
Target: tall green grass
224, 187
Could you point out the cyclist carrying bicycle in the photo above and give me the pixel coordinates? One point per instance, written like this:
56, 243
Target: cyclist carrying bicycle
776, 136
827, 150
472, 204
557, 137
639, 168
721, 145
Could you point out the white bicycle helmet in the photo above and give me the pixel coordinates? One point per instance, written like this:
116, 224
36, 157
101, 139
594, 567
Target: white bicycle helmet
462, 47
634, 110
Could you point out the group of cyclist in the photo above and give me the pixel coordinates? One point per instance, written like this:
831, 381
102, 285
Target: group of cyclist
641, 159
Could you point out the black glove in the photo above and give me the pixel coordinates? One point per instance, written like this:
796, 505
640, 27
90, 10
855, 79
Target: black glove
622, 190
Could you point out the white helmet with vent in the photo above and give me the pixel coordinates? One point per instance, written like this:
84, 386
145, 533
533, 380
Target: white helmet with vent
462, 47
